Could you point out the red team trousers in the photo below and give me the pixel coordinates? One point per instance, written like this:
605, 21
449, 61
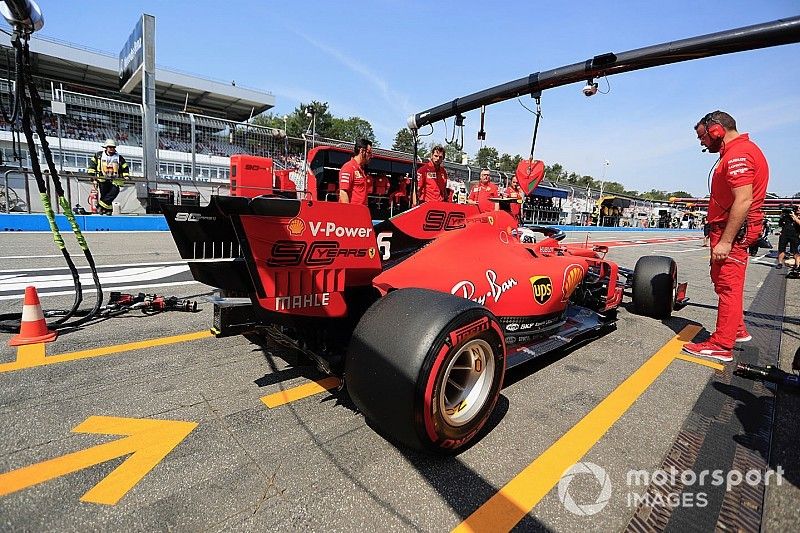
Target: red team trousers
728, 278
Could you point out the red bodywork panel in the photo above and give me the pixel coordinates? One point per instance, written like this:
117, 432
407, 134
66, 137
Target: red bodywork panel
251, 175
305, 262
485, 262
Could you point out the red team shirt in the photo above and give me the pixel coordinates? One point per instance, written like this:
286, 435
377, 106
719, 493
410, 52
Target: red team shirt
432, 183
518, 196
741, 163
482, 194
353, 180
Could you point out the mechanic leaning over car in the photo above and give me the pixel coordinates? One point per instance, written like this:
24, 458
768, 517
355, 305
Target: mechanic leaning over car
738, 189
480, 193
432, 178
353, 179
109, 171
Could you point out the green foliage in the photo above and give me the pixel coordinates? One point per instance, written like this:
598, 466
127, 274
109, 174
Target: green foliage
656, 195
613, 187
487, 157
404, 142
351, 129
681, 194
507, 163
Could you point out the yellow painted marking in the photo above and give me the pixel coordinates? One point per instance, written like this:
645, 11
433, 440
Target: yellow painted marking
30, 354
711, 364
516, 499
298, 393
33, 355
148, 440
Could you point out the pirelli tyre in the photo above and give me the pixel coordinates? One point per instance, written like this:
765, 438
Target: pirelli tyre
655, 282
425, 368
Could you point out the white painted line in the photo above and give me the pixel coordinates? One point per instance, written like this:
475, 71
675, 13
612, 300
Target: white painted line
127, 275
30, 256
154, 263
86, 289
681, 251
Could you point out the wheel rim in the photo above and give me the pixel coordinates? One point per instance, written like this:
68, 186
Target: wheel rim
467, 382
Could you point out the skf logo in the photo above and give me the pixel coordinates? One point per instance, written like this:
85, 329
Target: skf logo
542, 289
371, 253
296, 226
572, 276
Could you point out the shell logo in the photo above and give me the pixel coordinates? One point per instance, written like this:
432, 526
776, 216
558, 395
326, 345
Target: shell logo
296, 226
572, 277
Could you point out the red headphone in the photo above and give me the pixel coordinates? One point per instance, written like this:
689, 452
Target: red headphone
714, 129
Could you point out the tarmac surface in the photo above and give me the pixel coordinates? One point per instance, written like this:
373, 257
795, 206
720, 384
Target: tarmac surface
214, 456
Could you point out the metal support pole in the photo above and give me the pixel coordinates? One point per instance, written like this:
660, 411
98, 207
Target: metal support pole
192, 122
149, 124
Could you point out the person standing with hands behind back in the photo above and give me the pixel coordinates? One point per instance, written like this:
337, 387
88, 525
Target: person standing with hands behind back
432, 178
353, 175
481, 193
738, 189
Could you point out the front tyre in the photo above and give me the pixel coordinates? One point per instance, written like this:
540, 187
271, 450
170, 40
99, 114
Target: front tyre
426, 368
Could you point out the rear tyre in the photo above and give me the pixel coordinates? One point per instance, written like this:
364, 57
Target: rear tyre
655, 282
426, 368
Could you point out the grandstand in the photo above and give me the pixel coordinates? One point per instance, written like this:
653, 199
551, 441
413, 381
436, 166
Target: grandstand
201, 122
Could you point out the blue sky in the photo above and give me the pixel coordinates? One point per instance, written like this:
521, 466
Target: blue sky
384, 60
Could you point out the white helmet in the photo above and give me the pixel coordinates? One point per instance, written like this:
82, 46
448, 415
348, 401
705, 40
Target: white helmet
110, 142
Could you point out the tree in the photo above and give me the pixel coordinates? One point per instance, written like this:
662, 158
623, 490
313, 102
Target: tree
555, 172
506, 163
796, 195
653, 194
680, 194
298, 122
404, 141
268, 120
613, 187
487, 157
351, 129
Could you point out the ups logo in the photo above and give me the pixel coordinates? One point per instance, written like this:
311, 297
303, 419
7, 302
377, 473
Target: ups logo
542, 288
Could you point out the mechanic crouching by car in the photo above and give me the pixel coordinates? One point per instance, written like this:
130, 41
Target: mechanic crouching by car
480, 193
353, 175
738, 189
109, 170
790, 234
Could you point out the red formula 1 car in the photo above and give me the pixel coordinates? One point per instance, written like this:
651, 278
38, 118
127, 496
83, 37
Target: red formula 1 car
421, 314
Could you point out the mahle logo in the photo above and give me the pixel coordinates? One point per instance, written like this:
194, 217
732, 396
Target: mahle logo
542, 288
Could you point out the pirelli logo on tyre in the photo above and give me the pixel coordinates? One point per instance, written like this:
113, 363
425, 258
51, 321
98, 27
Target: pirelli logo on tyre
542, 289
572, 277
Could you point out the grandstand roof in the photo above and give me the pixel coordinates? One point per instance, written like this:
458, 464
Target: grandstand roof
70, 63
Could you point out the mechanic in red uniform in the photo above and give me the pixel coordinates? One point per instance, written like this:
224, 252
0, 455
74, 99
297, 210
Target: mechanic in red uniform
432, 178
514, 191
480, 193
353, 179
738, 189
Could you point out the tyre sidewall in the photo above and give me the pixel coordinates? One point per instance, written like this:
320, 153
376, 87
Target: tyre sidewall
433, 429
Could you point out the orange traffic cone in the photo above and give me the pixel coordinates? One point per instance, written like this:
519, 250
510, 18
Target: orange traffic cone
33, 328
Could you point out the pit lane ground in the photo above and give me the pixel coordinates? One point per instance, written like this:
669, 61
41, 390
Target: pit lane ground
233, 463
